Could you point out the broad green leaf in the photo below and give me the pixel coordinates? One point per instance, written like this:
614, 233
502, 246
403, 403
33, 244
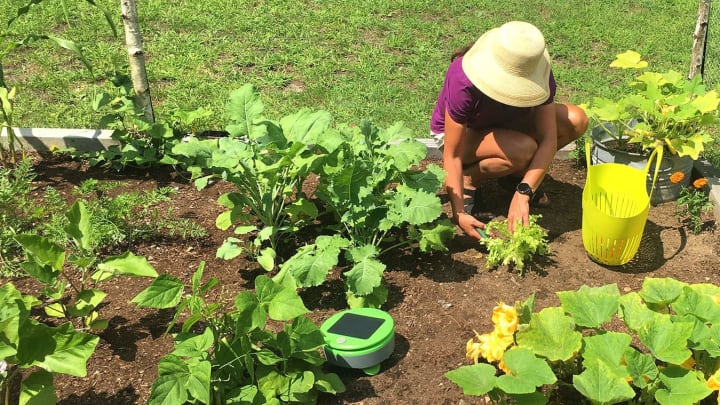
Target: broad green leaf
681, 387
661, 291
304, 126
86, 302
667, 340
634, 312
37, 389
245, 395
298, 389
230, 249
330, 383
698, 305
375, 299
707, 103
55, 310
45, 274
251, 315
191, 345
608, 347
126, 264
58, 350
591, 306
429, 180
629, 59
164, 292
364, 276
266, 259
167, 390
641, 367
551, 334
311, 264
435, 236
243, 107
198, 382
270, 382
305, 335
230, 153
285, 305
603, 383
407, 153
477, 379
268, 357
14, 311
43, 250
79, 226
416, 207
527, 372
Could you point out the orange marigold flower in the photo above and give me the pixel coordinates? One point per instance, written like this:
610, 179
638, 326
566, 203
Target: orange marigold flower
700, 183
677, 177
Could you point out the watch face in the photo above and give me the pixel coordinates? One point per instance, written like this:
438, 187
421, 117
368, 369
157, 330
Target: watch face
524, 188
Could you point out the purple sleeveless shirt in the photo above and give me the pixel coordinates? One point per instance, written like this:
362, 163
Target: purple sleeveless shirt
466, 104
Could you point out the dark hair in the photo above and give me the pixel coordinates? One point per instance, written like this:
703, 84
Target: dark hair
461, 51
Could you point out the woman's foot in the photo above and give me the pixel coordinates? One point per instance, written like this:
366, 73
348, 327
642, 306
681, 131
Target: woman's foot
475, 205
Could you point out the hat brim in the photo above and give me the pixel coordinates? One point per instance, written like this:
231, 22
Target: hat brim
486, 74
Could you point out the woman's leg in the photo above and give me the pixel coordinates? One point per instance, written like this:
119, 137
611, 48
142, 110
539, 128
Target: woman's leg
495, 153
572, 122
500, 152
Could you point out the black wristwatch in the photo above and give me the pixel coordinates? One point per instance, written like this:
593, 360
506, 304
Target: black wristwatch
525, 189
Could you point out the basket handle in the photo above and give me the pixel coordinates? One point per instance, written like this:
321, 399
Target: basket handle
658, 155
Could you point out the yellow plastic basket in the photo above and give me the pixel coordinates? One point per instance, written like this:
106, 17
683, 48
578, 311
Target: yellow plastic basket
615, 205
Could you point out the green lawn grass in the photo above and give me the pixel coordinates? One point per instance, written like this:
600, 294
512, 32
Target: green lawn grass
382, 60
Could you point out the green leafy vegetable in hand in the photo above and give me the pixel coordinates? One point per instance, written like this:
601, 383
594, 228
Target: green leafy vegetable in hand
517, 248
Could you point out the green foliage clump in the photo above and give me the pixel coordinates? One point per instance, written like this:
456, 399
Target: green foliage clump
263, 350
657, 345
515, 249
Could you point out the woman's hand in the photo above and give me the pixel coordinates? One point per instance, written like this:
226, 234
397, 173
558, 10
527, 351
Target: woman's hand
469, 224
519, 211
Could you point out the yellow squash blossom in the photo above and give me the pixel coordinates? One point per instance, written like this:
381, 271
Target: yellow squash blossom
700, 183
472, 350
677, 177
493, 346
714, 381
505, 319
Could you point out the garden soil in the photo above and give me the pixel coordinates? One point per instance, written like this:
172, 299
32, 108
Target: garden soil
437, 300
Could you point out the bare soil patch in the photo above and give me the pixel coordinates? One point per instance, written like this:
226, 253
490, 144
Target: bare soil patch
436, 300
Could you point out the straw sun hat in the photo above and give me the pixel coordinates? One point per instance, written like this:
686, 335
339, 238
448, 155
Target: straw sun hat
510, 64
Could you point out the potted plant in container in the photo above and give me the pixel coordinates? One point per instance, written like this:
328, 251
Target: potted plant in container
659, 108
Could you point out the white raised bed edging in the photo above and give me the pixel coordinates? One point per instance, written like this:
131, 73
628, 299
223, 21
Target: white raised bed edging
82, 139
48, 139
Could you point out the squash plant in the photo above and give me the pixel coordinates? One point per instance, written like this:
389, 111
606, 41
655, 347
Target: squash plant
261, 351
380, 200
268, 163
658, 345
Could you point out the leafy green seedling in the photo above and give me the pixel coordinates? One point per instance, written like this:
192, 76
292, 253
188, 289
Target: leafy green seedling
517, 248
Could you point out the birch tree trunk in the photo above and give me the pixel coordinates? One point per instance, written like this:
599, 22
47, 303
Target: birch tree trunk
136, 56
697, 61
